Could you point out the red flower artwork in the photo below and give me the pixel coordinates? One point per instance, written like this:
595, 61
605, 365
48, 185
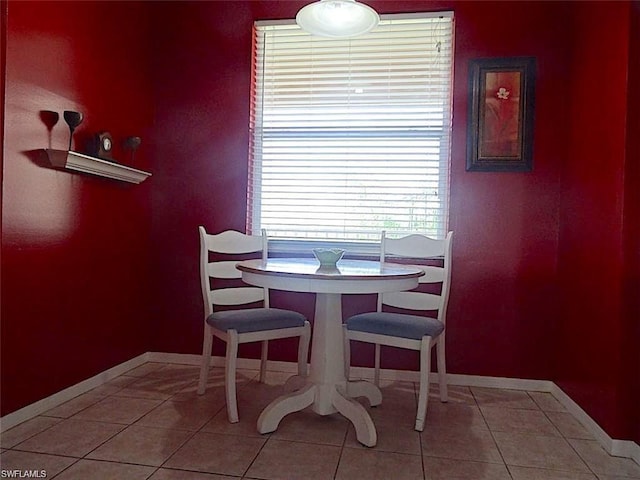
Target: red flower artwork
500, 136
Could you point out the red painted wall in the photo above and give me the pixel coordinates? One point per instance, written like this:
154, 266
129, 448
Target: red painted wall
202, 110
632, 234
592, 358
75, 279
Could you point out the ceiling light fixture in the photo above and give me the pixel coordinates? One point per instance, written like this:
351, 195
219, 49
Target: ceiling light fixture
337, 18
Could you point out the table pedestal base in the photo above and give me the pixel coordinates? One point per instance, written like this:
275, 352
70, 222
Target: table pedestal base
325, 400
327, 390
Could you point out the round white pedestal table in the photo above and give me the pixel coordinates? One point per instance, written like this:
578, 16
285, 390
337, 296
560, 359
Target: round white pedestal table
326, 389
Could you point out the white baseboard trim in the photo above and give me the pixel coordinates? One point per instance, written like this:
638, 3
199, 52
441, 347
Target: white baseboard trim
633, 450
496, 382
626, 449
41, 406
618, 448
457, 379
183, 358
244, 363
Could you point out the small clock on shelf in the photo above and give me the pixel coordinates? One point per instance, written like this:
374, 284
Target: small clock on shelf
103, 145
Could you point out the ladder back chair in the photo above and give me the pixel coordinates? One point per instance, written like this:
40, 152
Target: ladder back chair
241, 325
412, 330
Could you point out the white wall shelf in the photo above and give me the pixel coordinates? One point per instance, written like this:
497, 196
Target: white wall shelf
96, 166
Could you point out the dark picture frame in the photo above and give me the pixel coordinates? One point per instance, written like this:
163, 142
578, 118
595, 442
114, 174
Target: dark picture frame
501, 112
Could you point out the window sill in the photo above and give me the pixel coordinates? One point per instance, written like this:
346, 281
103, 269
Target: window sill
304, 248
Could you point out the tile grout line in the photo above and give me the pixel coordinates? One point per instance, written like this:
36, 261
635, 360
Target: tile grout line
125, 428
477, 405
342, 447
133, 423
493, 437
566, 439
200, 430
562, 435
192, 433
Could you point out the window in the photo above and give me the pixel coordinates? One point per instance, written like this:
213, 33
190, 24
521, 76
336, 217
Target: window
351, 136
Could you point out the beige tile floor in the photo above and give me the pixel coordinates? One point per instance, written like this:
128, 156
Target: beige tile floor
150, 424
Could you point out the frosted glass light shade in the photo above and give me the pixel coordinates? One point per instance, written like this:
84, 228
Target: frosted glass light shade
337, 18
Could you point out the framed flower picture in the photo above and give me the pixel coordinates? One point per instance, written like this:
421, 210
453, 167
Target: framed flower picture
501, 106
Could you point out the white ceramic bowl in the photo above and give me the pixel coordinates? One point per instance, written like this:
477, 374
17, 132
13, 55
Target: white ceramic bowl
328, 256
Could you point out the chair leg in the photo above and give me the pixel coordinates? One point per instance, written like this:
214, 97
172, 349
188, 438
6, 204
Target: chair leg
442, 369
347, 351
263, 360
230, 376
425, 368
206, 360
303, 350
376, 373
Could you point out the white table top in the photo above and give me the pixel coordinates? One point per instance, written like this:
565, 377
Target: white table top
345, 269
350, 276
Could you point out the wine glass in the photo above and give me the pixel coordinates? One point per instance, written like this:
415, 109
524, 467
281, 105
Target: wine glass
49, 118
73, 119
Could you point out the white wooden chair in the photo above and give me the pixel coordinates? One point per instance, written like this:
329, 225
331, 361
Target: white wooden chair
243, 325
410, 331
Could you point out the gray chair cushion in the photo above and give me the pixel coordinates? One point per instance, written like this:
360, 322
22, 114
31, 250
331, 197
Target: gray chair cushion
255, 319
395, 325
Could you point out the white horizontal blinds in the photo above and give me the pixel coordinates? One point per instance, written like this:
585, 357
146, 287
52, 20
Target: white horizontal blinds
351, 136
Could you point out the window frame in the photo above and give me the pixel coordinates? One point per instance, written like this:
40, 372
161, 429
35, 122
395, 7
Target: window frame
364, 248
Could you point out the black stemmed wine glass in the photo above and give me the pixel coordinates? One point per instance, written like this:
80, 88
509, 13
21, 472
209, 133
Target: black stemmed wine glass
73, 119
